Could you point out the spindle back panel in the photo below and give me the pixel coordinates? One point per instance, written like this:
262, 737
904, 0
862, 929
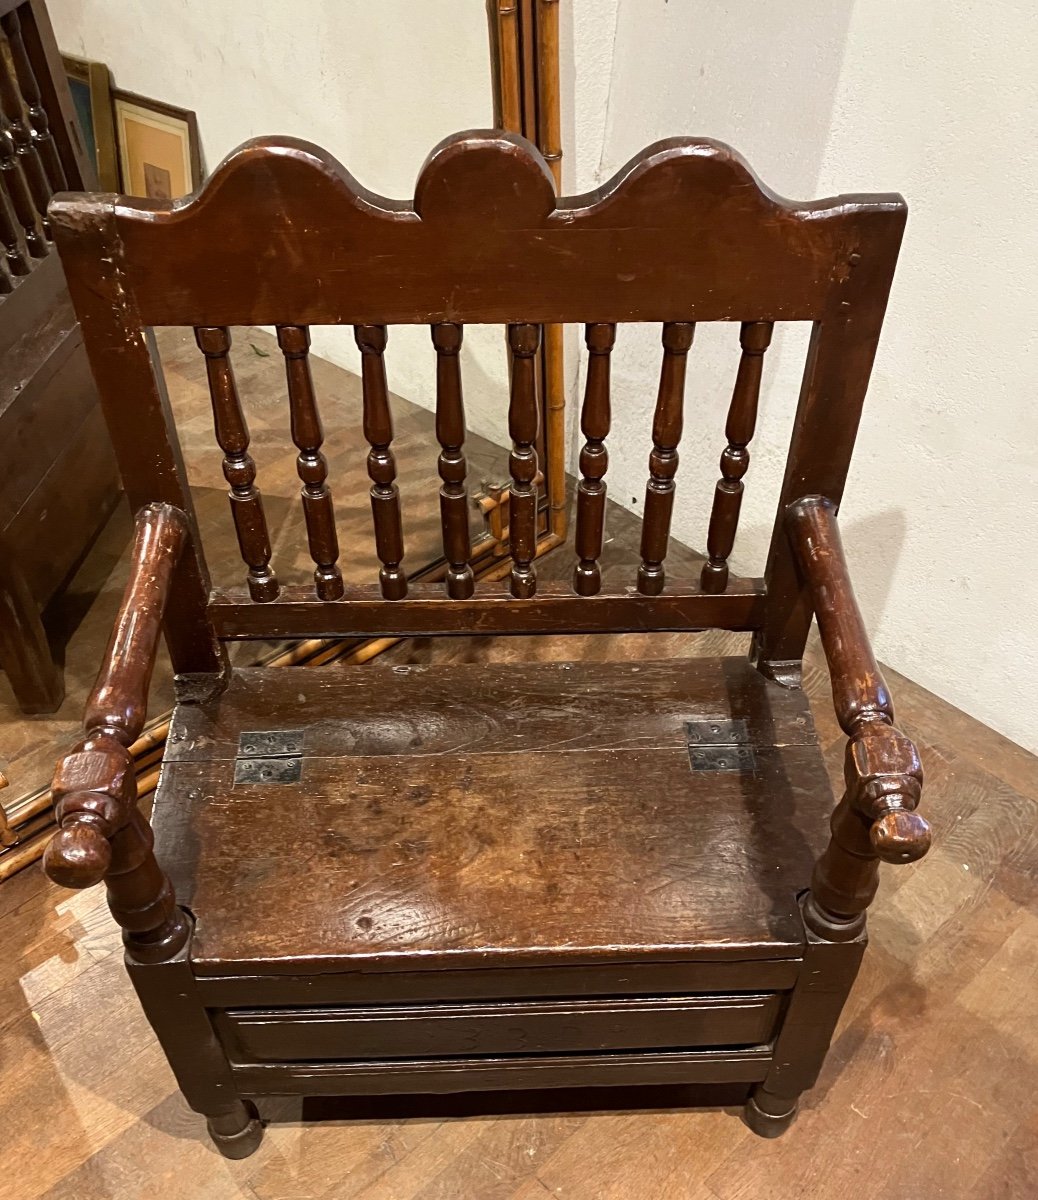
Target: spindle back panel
40, 150
282, 235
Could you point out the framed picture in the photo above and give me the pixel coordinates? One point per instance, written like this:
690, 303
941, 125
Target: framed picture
91, 88
159, 154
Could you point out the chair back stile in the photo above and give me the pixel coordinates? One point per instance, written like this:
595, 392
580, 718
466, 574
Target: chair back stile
684, 234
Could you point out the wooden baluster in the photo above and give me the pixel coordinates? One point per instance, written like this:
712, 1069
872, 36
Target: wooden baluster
21, 134
663, 459
754, 337
594, 458
450, 432
523, 422
308, 434
14, 187
378, 429
30, 89
10, 238
232, 433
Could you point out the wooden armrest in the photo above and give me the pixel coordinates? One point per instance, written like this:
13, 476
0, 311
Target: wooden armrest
118, 705
95, 786
882, 769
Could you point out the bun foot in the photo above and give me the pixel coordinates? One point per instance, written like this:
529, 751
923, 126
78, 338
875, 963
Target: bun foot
236, 1134
768, 1115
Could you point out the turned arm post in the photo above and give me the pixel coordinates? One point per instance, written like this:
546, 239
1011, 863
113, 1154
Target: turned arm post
876, 818
101, 834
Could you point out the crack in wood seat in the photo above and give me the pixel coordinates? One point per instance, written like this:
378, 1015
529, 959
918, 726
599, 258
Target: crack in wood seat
478, 815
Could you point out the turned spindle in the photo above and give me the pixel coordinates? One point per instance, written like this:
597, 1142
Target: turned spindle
523, 423
450, 433
15, 188
42, 137
754, 337
378, 429
232, 434
308, 436
15, 259
663, 458
14, 112
594, 459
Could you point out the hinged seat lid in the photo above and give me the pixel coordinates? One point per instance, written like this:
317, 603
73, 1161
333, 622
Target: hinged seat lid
491, 814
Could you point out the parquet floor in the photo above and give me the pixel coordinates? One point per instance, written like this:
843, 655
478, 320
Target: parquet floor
929, 1090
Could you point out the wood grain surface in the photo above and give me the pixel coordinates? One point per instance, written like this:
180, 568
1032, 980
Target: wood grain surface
536, 847
454, 818
84, 618
92, 1112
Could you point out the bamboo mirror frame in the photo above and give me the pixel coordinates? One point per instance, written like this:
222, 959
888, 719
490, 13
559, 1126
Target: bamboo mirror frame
524, 53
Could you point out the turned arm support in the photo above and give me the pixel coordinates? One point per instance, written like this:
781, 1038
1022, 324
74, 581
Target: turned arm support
95, 788
882, 770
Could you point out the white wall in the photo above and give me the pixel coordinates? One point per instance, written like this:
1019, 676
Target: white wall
377, 84
940, 517
747, 74
937, 102
941, 103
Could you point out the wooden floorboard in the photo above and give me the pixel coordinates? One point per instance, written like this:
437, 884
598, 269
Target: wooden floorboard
80, 621
928, 1093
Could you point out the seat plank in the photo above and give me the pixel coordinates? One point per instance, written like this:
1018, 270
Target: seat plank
491, 708
570, 829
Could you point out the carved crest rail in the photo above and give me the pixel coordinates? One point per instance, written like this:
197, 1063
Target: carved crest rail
684, 234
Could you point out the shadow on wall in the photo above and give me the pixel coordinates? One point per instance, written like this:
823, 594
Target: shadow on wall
635, 71
874, 545
639, 71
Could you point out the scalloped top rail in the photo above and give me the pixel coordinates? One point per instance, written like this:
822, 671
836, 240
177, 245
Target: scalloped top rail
282, 234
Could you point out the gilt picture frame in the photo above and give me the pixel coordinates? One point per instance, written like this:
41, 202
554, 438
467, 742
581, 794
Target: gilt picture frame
90, 84
159, 152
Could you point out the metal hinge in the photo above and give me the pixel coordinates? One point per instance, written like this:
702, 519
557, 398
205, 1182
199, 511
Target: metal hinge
720, 744
269, 756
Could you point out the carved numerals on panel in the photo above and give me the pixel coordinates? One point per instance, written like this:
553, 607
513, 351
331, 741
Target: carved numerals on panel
308, 435
378, 429
239, 470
